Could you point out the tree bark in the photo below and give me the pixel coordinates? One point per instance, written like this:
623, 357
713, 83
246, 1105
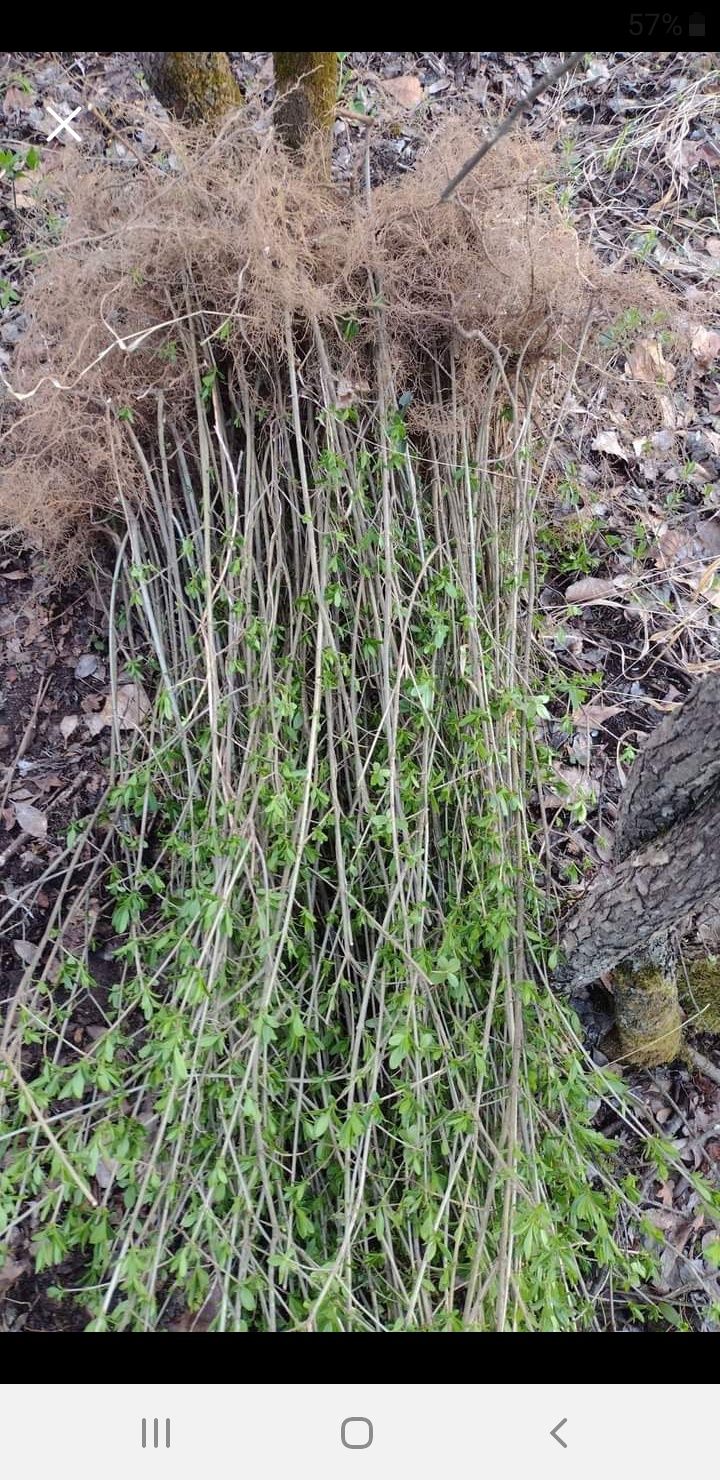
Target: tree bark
197, 86
647, 1007
666, 848
678, 764
306, 84
653, 889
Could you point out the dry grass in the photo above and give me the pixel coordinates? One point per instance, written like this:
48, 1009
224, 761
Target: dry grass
261, 238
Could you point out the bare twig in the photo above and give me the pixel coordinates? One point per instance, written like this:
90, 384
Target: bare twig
27, 737
704, 1065
530, 97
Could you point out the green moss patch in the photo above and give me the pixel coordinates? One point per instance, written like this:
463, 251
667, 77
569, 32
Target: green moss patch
701, 994
649, 1019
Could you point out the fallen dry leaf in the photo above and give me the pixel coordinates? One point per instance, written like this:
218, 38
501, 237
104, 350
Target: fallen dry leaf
592, 588
347, 392
674, 547
671, 417
17, 98
23, 200
11, 1271
49, 782
575, 785
86, 665
653, 451
705, 346
607, 441
97, 722
690, 548
708, 534
648, 364
595, 715
708, 585
20, 793
25, 950
598, 71
659, 205
30, 820
696, 151
68, 723
133, 706
713, 440
580, 747
407, 91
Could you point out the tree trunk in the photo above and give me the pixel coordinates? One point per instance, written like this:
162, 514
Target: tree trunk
197, 86
653, 889
677, 766
306, 83
647, 1009
700, 993
666, 869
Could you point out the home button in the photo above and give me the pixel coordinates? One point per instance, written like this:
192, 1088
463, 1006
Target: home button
356, 1433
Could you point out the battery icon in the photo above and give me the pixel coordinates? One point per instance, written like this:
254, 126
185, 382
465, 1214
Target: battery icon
696, 24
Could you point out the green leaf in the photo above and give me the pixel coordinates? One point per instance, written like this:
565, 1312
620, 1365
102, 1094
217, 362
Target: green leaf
179, 1065
320, 1125
121, 917
712, 1252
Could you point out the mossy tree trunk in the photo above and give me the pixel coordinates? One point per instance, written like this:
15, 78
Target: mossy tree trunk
700, 993
647, 1009
197, 86
666, 867
306, 83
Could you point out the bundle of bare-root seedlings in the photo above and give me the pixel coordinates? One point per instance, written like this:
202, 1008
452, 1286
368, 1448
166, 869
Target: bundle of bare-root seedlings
331, 1091
237, 242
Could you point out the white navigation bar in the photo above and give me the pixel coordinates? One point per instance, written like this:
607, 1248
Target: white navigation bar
358, 1431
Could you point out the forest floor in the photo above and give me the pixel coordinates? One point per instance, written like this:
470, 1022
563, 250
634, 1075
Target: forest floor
629, 551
